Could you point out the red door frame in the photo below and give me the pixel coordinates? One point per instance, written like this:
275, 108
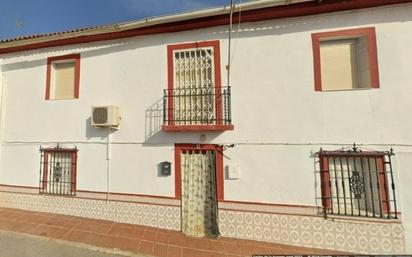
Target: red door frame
199, 147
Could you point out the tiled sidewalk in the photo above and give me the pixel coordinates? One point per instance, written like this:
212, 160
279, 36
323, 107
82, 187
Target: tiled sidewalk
136, 238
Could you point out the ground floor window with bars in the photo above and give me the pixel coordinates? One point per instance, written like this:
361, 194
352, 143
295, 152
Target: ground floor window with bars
58, 171
357, 183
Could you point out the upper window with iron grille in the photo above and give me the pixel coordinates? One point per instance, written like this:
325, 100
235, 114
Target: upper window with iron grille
195, 96
357, 183
58, 171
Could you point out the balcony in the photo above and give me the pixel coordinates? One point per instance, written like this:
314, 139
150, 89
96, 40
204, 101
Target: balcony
197, 109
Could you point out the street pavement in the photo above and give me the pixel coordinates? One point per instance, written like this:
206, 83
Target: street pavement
22, 245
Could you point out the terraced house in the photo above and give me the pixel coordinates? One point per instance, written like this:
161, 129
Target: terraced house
278, 121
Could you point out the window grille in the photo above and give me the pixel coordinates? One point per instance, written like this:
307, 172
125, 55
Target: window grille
194, 98
358, 183
58, 171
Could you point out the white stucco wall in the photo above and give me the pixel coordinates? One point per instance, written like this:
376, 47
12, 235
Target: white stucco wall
405, 200
280, 121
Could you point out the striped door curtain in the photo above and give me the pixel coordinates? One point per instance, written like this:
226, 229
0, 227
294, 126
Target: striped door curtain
199, 201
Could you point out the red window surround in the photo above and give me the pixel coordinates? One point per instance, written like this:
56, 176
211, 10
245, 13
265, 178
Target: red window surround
380, 166
369, 33
45, 163
50, 60
217, 74
219, 167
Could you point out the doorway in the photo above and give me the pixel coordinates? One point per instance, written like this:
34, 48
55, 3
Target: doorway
199, 177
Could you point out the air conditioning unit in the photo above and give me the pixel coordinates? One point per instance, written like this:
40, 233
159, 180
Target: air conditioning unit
105, 116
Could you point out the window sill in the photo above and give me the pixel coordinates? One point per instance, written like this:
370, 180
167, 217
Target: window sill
73, 195
62, 99
348, 90
336, 217
181, 128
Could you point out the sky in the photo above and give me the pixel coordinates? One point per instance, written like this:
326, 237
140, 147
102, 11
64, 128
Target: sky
26, 17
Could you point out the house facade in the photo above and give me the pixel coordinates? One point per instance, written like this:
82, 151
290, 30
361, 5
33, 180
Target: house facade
292, 128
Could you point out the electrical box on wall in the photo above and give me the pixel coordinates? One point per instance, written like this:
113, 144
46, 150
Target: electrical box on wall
232, 172
165, 168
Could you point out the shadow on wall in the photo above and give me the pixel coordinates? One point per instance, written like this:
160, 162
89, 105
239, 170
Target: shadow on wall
92, 132
161, 138
23, 65
154, 118
316, 174
87, 50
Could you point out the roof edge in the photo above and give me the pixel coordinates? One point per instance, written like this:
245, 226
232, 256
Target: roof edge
146, 22
251, 12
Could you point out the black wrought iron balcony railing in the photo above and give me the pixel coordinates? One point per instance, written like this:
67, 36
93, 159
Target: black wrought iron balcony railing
197, 108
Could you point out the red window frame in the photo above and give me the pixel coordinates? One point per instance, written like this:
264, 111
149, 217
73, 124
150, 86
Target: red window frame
199, 147
50, 60
218, 83
45, 156
370, 35
325, 176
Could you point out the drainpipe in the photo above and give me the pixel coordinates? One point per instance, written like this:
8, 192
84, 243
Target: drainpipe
108, 158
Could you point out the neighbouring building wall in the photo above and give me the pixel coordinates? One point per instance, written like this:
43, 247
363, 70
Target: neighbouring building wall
404, 179
2, 97
280, 123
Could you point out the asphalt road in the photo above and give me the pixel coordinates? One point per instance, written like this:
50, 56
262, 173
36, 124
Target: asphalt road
20, 245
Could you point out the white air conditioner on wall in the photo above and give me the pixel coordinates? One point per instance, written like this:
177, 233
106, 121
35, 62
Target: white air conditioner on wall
105, 116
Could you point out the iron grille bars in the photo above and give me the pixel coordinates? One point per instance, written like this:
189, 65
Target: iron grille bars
197, 106
58, 171
358, 183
